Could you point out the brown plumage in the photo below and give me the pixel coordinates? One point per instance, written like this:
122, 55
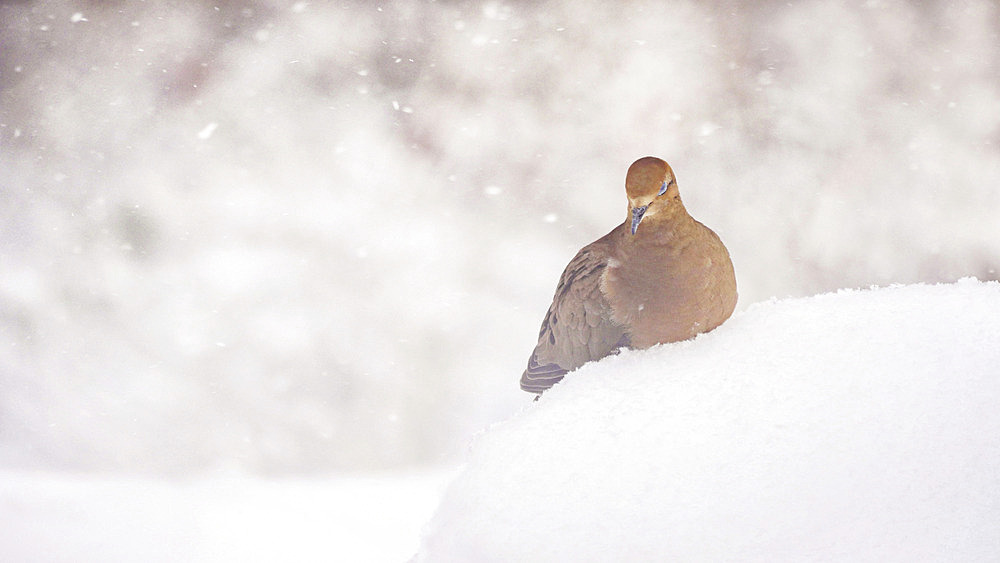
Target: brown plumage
658, 277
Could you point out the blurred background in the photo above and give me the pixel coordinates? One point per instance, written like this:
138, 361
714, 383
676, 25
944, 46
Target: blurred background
287, 238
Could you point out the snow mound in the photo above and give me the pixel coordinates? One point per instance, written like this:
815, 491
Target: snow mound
855, 426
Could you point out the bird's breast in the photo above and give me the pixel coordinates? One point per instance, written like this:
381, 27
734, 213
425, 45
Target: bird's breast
670, 293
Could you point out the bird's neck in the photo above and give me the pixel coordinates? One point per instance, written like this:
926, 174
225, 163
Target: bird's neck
663, 228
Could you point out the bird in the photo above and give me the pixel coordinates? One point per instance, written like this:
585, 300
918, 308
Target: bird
660, 276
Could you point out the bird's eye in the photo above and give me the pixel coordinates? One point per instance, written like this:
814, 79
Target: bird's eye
663, 189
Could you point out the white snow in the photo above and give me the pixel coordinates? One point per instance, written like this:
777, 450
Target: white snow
855, 426
75, 518
207, 131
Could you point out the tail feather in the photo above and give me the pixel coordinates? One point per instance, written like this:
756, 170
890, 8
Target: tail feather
539, 378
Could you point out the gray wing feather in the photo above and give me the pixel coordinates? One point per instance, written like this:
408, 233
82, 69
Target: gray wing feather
577, 327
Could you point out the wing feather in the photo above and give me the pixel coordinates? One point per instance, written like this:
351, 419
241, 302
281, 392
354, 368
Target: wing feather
577, 327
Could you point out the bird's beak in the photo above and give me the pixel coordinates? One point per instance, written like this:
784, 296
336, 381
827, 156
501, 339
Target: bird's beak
637, 213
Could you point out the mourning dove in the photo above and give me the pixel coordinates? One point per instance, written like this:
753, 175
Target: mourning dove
660, 276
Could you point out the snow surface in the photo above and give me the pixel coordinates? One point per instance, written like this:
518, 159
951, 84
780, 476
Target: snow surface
48, 517
855, 426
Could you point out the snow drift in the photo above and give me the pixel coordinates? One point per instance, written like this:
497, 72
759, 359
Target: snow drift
860, 425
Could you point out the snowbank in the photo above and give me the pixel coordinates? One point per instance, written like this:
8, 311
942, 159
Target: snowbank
856, 426
81, 518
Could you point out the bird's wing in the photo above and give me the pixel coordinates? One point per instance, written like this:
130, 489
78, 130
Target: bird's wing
578, 326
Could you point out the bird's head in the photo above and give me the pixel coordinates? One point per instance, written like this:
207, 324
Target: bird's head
652, 191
